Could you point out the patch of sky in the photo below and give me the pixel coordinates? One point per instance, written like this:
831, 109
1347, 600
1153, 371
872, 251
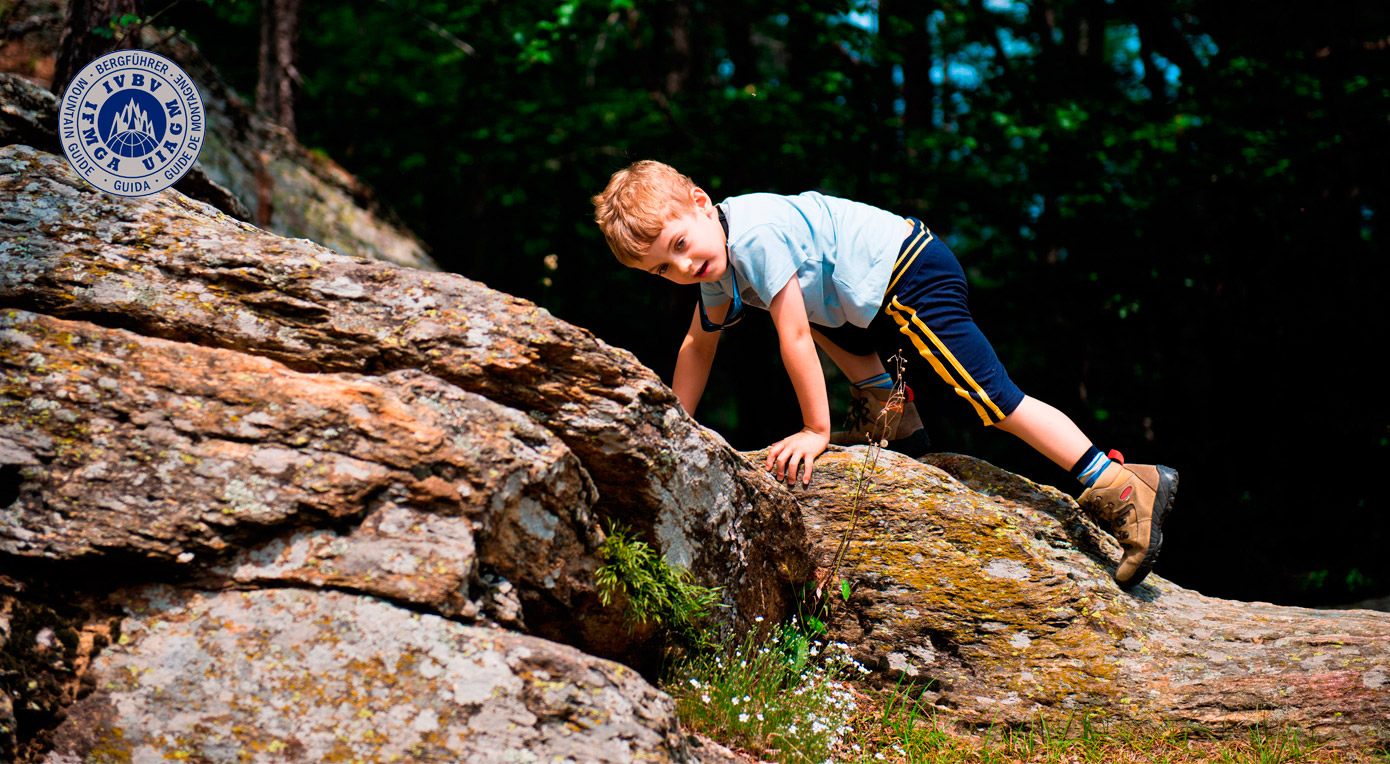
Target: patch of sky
934, 22
960, 74
1014, 47
1123, 42
725, 69
864, 16
1126, 57
1203, 47
966, 69
897, 75
1172, 75
1033, 208
1015, 9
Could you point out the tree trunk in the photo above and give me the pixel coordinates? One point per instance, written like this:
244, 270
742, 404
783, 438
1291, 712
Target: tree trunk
279, 79
79, 44
682, 48
917, 88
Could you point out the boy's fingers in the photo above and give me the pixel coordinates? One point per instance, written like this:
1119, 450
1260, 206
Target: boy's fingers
773, 453
804, 470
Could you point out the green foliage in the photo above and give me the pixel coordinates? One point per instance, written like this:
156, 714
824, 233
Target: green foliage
117, 27
656, 592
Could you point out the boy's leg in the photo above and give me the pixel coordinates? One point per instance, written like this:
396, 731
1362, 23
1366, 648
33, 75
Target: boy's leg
1133, 500
870, 389
926, 305
1049, 431
855, 367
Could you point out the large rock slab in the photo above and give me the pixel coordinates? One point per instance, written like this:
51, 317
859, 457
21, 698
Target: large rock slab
170, 267
995, 595
122, 447
288, 676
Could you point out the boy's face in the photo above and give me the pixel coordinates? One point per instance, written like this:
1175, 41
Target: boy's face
691, 248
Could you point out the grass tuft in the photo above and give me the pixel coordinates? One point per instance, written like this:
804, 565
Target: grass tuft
778, 695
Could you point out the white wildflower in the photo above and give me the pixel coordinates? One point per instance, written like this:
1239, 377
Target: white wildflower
744, 718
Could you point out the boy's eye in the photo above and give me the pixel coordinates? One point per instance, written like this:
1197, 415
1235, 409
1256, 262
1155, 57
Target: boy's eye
661, 270
680, 244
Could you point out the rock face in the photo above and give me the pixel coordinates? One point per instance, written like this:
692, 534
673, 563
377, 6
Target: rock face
191, 401
994, 595
401, 486
164, 267
290, 675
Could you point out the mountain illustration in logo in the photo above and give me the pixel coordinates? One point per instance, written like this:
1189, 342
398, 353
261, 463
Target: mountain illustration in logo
132, 132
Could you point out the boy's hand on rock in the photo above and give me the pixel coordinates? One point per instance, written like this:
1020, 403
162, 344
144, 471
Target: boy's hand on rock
792, 453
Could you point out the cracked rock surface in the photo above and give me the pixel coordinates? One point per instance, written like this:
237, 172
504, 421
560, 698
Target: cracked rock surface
263, 430
994, 595
291, 675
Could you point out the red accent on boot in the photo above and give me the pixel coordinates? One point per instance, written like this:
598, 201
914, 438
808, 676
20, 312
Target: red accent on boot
1117, 456
1127, 491
907, 391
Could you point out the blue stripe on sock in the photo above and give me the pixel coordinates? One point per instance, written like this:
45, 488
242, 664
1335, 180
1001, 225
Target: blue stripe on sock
880, 380
1092, 471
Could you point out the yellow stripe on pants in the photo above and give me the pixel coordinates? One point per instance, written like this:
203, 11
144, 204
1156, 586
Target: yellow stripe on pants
906, 324
910, 252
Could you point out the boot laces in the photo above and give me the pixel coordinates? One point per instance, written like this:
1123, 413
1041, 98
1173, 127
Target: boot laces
1120, 522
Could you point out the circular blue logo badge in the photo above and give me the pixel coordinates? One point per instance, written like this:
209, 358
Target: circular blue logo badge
132, 123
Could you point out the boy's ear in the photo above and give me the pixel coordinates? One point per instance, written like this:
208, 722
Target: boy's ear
701, 200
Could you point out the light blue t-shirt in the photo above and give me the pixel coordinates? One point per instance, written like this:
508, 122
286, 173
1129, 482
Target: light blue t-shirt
840, 251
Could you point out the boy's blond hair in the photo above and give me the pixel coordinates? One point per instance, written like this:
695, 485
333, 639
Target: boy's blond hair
637, 203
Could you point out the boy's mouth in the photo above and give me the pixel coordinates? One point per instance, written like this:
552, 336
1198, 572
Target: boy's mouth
702, 270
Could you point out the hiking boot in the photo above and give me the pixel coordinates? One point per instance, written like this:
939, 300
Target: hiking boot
1134, 506
868, 423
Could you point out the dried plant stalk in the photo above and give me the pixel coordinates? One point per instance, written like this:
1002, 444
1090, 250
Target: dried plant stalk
892, 409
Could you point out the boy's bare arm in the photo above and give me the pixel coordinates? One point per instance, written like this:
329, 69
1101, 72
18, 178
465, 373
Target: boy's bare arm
695, 358
803, 367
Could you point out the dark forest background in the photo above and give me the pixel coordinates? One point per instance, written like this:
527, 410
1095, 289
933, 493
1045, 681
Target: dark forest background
1172, 214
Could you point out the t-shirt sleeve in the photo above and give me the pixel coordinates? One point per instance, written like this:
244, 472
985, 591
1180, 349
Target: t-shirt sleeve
772, 258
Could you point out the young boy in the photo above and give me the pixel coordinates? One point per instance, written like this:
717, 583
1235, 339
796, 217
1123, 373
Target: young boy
848, 276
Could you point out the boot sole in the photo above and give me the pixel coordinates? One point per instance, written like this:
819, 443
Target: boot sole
1163, 506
